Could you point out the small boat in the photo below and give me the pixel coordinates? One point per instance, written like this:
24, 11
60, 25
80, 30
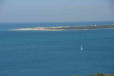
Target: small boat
95, 25
81, 48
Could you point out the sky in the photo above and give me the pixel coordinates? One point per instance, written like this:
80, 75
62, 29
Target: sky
56, 10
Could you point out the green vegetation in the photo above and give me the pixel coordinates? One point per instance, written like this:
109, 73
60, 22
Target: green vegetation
98, 74
76, 75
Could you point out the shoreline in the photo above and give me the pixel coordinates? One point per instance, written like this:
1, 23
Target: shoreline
66, 28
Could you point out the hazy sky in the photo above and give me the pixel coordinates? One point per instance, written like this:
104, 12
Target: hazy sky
56, 10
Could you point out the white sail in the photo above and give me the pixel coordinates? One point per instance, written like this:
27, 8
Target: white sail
81, 48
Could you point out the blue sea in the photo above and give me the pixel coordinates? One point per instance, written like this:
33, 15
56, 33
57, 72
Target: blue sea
55, 53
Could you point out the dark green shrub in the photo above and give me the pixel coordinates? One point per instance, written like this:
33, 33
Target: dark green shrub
100, 74
75, 75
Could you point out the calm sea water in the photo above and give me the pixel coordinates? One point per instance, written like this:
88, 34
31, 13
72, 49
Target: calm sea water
49, 53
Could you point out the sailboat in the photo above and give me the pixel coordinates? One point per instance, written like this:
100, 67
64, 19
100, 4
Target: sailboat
81, 48
95, 25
